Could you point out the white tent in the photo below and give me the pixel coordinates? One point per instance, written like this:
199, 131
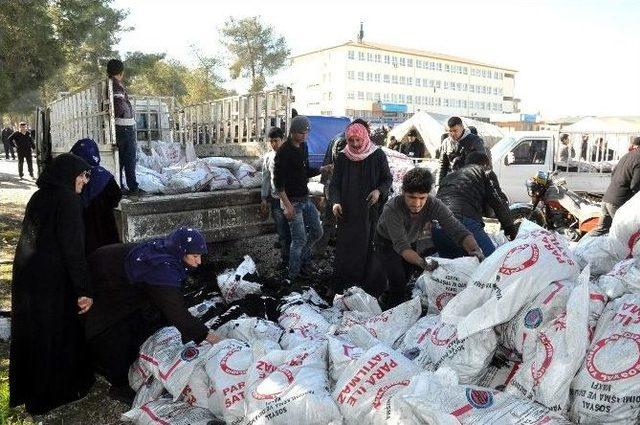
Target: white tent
430, 127
611, 125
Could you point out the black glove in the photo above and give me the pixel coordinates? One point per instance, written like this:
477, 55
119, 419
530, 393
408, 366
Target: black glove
511, 232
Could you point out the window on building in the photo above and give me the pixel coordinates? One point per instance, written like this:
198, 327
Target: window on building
378, 57
361, 75
418, 82
402, 62
431, 83
445, 102
432, 66
376, 78
495, 91
459, 86
465, 70
409, 99
351, 54
394, 97
369, 57
439, 66
446, 85
447, 68
438, 101
438, 84
401, 98
495, 74
360, 95
351, 75
394, 79
330, 95
361, 56
387, 59
369, 76
351, 95
410, 62
418, 63
402, 80
472, 88
376, 97
464, 103
500, 91
409, 81
387, 79
369, 96
500, 75
386, 97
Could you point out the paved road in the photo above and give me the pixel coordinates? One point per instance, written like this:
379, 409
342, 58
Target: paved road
12, 189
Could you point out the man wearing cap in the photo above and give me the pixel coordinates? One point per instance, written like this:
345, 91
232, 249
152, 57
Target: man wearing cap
413, 148
125, 126
291, 175
23, 143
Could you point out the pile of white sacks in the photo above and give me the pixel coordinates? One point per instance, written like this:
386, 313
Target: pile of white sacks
172, 168
536, 334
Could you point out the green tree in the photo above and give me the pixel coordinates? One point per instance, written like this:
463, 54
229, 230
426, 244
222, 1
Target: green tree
30, 51
257, 51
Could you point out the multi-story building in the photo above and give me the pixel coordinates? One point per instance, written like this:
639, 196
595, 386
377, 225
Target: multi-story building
374, 80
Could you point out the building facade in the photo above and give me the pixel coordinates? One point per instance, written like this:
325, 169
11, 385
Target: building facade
364, 79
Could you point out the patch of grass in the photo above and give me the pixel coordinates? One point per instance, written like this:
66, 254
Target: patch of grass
9, 416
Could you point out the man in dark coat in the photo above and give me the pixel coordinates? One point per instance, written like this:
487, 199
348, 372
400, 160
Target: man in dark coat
8, 146
414, 147
23, 143
457, 146
99, 197
359, 187
49, 365
625, 182
468, 192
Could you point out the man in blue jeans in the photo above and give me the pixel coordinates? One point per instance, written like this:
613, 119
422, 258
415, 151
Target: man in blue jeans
468, 192
291, 175
125, 126
269, 195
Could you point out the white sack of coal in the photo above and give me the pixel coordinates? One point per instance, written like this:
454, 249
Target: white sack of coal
508, 279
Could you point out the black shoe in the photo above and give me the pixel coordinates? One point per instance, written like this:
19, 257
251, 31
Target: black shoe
21, 178
122, 393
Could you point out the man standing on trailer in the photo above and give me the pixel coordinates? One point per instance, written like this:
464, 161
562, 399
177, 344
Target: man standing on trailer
125, 126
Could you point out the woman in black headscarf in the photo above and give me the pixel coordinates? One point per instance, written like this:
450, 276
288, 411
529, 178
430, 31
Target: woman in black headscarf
50, 289
99, 197
137, 291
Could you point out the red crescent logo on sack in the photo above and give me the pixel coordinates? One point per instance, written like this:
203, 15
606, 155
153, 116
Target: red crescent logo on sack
443, 299
548, 357
434, 336
606, 377
372, 332
229, 370
289, 377
377, 400
633, 239
294, 316
509, 268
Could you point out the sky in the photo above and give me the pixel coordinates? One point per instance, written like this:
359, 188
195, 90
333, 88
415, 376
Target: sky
573, 57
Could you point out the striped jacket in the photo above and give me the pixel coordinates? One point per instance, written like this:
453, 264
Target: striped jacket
123, 111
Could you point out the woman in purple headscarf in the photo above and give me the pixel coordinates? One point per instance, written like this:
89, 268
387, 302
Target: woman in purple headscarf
138, 290
99, 197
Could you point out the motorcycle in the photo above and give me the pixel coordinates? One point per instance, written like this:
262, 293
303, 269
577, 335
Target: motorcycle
557, 208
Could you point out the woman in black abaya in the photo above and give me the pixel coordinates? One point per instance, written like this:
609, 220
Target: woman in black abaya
360, 186
50, 289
